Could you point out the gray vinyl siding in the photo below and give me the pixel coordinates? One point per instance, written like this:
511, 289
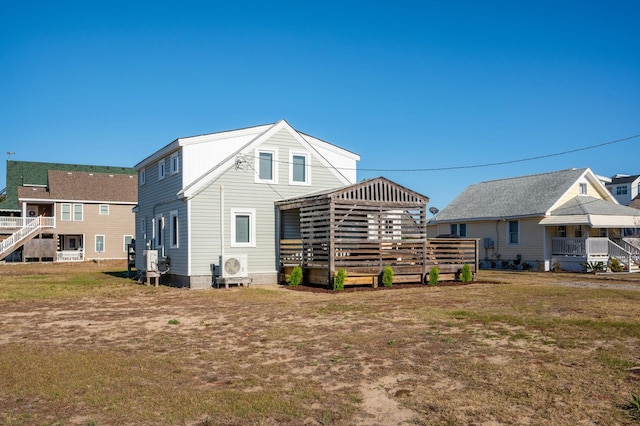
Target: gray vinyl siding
160, 197
242, 192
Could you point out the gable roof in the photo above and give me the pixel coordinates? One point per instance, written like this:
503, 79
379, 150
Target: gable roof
31, 173
83, 186
251, 138
378, 191
523, 196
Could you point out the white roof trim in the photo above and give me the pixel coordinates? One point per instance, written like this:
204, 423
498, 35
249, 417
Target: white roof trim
199, 184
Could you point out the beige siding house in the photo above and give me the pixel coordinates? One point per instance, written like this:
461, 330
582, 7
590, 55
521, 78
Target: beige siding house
77, 216
563, 218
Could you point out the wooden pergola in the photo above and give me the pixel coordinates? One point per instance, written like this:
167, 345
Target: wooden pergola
363, 228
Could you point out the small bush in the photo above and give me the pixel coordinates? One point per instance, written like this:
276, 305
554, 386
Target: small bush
295, 278
557, 267
633, 407
174, 322
338, 281
434, 276
615, 265
594, 266
465, 274
387, 276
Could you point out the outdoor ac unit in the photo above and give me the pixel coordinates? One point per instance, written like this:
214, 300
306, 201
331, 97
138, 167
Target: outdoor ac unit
150, 260
233, 266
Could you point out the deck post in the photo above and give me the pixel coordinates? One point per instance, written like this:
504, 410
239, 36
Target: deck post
331, 243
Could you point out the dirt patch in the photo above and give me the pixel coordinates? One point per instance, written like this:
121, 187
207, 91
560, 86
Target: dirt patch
510, 352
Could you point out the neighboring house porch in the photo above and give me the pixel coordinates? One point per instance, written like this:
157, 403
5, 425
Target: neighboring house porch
572, 253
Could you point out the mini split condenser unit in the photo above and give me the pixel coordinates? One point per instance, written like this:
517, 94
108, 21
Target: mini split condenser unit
233, 266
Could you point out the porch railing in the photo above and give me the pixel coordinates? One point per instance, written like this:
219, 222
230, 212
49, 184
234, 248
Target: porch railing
70, 256
580, 246
20, 222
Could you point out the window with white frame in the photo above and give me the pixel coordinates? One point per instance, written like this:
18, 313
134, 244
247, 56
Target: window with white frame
126, 240
267, 165
459, 229
161, 169
173, 228
77, 212
583, 188
174, 164
299, 168
65, 212
104, 209
100, 246
621, 190
142, 177
514, 232
158, 231
561, 231
243, 228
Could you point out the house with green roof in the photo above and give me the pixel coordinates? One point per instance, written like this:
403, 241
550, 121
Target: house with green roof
59, 212
563, 218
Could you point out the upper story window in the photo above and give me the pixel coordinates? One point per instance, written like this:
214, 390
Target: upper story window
267, 165
78, 212
104, 209
583, 188
71, 212
174, 164
299, 169
142, 177
161, 169
621, 190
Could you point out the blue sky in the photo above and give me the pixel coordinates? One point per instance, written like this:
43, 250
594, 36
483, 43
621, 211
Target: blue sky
406, 84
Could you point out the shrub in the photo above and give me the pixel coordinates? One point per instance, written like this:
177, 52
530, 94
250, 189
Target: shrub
615, 265
466, 275
387, 276
434, 275
338, 281
295, 278
594, 267
557, 267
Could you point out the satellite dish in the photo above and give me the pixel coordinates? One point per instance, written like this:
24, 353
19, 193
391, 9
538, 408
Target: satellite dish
433, 210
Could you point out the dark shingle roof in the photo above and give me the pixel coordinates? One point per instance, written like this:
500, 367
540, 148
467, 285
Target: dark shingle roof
83, 186
21, 173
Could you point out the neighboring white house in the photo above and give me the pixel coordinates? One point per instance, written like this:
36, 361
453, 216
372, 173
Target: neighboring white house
210, 198
568, 217
624, 188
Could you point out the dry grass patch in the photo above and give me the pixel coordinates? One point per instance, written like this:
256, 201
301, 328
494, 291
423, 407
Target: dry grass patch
524, 349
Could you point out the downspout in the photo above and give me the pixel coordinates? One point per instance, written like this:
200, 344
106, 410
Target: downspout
221, 223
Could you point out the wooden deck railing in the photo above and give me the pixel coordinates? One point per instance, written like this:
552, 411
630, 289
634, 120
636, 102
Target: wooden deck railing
372, 254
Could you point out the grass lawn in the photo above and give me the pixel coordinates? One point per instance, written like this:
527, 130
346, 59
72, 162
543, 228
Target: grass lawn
83, 345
